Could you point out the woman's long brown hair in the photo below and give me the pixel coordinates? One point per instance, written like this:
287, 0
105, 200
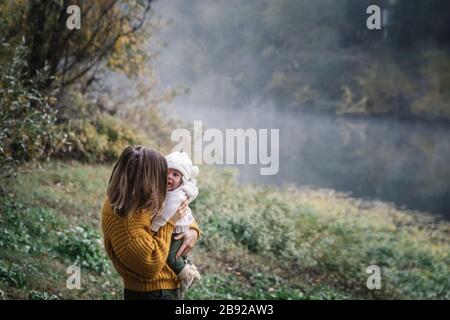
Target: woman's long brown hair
138, 181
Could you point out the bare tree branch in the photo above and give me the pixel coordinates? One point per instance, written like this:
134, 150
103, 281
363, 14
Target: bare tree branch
109, 47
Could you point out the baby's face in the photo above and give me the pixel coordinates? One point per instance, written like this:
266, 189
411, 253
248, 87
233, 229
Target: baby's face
173, 179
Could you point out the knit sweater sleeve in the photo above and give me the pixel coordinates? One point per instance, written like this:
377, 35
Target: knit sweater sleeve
147, 254
194, 226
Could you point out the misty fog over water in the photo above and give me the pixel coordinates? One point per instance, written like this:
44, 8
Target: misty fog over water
350, 155
404, 162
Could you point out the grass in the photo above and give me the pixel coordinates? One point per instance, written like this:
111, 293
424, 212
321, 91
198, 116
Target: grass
257, 243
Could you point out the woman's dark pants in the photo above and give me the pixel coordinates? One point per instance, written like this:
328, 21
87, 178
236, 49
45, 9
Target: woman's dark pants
163, 294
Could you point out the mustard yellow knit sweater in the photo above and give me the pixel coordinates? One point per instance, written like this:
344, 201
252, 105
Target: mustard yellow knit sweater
138, 254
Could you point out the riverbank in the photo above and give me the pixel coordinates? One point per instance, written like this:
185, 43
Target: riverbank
257, 243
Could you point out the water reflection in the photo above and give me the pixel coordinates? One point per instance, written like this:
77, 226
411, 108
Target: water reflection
401, 162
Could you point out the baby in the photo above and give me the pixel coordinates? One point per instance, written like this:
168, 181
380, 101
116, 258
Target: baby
180, 184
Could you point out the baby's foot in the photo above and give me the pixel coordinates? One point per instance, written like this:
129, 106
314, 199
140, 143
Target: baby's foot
188, 276
196, 274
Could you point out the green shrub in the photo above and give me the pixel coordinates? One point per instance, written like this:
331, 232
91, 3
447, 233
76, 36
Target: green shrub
83, 246
16, 275
38, 295
27, 117
101, 139
26, 229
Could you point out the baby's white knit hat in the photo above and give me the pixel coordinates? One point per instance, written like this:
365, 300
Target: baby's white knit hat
180, 161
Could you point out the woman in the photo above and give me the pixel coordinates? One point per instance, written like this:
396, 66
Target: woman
136, 192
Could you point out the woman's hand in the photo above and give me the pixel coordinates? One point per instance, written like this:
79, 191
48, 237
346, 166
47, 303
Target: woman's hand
189, 239
180, 213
